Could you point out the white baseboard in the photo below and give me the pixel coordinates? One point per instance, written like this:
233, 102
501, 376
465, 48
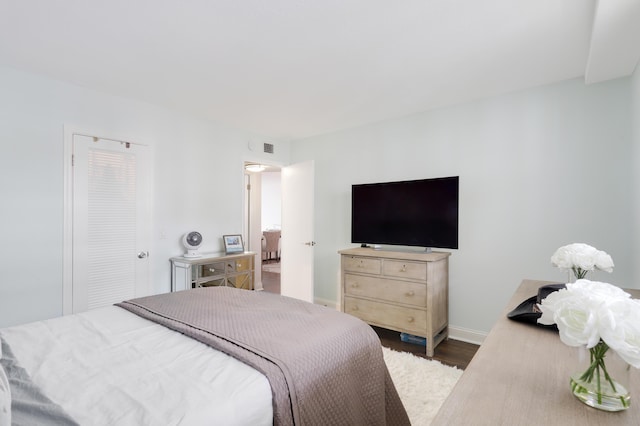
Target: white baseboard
467, 335
257, 286
326, 302
456, 333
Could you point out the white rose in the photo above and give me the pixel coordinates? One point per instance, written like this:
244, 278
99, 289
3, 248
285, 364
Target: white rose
584, 261
574, 315
603, 261
550, 305
620, 329
598, 291
562, 258
582, 256
588, 311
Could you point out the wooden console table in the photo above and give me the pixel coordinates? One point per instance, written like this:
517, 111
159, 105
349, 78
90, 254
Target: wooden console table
520, 376
213, 269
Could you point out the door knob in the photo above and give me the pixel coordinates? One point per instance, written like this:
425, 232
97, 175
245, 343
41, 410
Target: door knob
310, 243
143, 254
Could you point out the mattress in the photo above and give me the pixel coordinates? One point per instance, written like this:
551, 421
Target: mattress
109, 366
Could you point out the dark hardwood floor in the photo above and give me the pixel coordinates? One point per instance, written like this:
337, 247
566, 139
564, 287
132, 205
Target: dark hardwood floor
450, 352
271, 282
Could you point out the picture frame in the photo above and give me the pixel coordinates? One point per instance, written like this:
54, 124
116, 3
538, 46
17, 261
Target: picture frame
233, 243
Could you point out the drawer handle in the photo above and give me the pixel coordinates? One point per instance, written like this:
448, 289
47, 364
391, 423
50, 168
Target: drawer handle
410, 319
355, 285
410, 293
404, 268
212, 270
355, 308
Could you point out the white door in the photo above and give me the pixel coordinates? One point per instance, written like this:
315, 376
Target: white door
110, 222
296, 279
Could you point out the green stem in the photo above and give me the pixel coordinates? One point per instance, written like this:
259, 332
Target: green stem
579, 272
598, 366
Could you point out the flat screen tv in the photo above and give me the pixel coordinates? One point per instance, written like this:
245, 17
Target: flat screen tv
422, 213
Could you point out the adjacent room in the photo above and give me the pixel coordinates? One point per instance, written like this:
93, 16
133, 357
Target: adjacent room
385, 191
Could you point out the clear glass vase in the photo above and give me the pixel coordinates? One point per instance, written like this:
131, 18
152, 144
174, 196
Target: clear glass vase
602, 381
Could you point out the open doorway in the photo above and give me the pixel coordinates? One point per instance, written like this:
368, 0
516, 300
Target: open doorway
264, 219
297, 243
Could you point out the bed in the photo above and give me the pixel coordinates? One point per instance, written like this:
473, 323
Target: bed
204, 356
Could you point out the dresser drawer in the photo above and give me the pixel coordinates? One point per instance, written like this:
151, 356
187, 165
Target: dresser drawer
211, 269
411, 320
385, 289
365, 265
404, 269
242, 265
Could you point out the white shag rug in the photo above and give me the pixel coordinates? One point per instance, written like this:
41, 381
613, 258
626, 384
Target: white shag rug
422, 384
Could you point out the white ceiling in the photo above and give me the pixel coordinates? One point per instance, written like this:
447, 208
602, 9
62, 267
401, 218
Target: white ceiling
288, 69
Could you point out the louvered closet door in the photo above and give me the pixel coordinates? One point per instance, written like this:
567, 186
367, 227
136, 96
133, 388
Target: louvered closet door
110, 222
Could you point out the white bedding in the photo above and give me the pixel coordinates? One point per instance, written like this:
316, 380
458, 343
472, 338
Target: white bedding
109, 366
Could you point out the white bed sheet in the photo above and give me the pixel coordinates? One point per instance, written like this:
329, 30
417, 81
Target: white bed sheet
109, 366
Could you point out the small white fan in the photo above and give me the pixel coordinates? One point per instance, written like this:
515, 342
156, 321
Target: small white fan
192, 240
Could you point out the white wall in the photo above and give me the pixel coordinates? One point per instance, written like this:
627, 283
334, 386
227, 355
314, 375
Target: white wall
538, 169
635, 117
197, 183
271, 200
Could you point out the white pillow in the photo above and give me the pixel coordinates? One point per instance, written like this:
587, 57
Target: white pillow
5, 399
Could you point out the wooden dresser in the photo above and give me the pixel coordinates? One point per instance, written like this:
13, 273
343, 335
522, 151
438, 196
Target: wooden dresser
401, 291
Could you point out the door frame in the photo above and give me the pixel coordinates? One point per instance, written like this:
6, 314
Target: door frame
67, 240
249, 212
247, 216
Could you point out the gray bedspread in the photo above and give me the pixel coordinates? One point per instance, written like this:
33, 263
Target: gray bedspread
324, 367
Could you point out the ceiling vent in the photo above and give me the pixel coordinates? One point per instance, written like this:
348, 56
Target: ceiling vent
268, 148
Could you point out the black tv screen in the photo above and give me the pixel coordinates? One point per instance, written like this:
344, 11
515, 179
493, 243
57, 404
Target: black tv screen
420, 213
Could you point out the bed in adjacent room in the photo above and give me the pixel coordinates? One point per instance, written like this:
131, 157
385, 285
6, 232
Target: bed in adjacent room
204, 356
